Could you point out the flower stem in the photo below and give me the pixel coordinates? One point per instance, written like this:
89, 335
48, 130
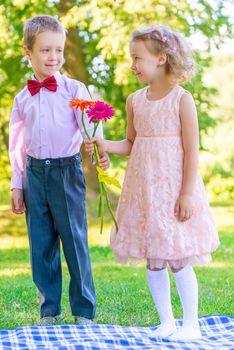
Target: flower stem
109, 206
101, 184
96, 156
101, 206
84, 127
87, 134
95, 128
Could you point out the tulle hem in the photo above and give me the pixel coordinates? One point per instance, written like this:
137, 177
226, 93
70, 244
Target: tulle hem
161, 263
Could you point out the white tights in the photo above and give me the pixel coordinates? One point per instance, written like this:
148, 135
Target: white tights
186, 283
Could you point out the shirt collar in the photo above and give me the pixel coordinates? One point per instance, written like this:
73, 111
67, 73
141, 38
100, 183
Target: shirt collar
57, 76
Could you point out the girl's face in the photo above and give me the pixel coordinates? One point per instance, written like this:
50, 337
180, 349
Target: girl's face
46, 55
146, 65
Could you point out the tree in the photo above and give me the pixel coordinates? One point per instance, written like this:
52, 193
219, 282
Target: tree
106, 27
97, 48
14, 69
219, 142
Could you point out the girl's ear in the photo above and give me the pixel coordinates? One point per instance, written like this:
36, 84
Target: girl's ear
28, 53
162, 59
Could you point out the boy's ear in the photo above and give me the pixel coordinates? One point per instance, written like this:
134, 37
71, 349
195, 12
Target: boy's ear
27, 53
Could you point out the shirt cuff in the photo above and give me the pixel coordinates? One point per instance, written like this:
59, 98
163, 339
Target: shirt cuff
16, 182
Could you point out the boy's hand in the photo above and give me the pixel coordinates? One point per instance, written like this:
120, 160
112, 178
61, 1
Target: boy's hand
101, 145
184, 207
17, 201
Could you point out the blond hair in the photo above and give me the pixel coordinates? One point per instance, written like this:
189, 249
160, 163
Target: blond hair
39, 24
160, 39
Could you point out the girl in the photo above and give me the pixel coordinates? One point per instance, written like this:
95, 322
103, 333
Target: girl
163, 213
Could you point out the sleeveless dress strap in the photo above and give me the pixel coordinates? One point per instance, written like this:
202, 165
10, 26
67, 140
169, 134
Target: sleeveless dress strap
135, 96
179, 93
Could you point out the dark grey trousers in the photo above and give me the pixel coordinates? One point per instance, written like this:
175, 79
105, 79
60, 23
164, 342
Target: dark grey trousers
55, 197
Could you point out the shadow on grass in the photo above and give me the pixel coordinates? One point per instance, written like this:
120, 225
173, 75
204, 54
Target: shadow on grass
15, 255
11, 257
15, 225
12, 224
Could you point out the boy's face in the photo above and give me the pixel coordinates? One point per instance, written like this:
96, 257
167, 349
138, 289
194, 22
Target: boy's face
46, 55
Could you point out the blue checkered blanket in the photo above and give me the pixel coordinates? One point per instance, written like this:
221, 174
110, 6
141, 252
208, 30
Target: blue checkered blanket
217, 331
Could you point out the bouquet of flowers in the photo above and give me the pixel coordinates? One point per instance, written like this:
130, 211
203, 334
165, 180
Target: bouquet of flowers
98, 111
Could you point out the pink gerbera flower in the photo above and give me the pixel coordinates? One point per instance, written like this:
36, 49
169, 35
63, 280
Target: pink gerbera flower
100, 111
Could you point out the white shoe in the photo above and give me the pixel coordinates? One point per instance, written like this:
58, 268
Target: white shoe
164, 330
186, 333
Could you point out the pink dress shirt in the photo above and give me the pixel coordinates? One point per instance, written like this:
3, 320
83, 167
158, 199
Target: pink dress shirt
44, 125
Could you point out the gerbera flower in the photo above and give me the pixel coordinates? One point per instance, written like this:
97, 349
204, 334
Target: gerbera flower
99, 111
79, 103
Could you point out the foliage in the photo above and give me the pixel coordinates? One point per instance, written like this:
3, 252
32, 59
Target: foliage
221, 188
14, 69
219, 140
104, 28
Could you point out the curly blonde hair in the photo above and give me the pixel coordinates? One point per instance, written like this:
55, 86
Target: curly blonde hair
160, 39
39, 24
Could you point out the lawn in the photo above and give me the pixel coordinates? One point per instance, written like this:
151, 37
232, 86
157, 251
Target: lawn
122, 292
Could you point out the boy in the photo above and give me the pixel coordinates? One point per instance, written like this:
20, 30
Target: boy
47, 177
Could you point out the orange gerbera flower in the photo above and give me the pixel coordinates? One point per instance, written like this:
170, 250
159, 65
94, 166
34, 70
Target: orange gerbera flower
79, 103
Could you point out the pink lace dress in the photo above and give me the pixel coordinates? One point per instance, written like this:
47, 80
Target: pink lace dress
148, 228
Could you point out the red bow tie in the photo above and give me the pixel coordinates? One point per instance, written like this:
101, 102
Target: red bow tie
35, 85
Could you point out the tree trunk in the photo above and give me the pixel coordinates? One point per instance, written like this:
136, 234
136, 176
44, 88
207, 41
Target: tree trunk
75, 67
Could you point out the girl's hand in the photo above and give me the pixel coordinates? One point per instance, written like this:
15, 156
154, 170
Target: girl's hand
104, 161
184, 207
17, 201
101, 145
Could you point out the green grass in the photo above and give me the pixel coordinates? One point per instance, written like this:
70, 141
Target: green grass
122, 292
